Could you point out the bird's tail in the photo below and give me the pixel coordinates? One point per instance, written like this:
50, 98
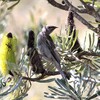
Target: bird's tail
58, 66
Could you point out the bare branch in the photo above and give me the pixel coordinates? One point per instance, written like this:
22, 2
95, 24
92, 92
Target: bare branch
55, 4
47, 73
68, 4
65, 7
91, 11
75, 10
85, 22
85, 53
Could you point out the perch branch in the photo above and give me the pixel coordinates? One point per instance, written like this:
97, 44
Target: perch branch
47, 73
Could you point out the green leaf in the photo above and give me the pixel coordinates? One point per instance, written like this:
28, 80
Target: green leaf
61, 84
12, 88
94, 96
47, 80
93, 39
56, 91
66, 87
74, 41
90, 41
75, 92
96, 63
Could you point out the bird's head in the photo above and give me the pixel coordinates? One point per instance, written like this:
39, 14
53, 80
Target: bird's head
48, 29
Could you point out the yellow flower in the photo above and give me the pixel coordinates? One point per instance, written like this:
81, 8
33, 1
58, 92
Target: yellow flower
7, 53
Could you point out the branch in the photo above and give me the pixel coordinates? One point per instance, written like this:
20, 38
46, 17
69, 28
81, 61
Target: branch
91, 11
75, 10
33, 79
47, 73
55, 4
68, 4
65, 7
81, 56
85, 22
85, 53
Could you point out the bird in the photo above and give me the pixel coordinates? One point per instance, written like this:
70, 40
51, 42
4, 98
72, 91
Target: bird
34, 57
7, 54
47, 49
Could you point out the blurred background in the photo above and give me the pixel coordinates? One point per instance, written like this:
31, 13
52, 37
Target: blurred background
20, 19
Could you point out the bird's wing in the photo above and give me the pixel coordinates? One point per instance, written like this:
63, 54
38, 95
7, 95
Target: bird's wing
51, 41
51, 48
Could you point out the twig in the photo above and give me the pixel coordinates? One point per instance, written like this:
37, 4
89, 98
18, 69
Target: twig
33, 79
81, 55
85, 53
47, 73
67, 3
91, 11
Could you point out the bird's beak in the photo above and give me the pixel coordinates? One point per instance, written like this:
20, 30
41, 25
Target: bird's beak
51, 28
